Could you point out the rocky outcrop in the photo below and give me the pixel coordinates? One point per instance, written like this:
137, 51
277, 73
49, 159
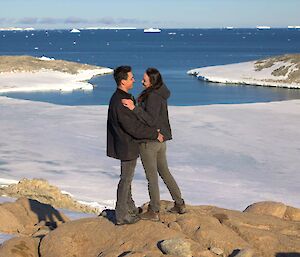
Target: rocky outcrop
289, 68
275, 209
42, 191
27, 216
204, 231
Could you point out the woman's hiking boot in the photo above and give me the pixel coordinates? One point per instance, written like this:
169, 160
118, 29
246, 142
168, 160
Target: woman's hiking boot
178, 208
150, 215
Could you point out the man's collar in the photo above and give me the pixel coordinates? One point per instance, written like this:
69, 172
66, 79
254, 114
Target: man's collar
123, 92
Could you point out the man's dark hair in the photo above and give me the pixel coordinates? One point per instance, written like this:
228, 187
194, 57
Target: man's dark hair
120, 73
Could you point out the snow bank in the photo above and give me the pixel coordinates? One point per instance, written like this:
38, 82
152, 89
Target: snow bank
45, 80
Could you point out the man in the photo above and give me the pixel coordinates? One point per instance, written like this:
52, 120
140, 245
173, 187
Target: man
123, 128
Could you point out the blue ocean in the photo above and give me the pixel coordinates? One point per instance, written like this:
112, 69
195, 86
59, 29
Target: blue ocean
173, 52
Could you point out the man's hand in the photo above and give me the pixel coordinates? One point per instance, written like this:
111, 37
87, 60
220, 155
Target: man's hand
160, 137
128, 103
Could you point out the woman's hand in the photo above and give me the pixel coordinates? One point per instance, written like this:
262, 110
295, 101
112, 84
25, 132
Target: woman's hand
128, 103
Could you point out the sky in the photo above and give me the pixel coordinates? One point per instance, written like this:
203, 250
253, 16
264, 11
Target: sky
155, 13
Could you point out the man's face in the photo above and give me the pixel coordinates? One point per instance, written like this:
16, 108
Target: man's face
128, 83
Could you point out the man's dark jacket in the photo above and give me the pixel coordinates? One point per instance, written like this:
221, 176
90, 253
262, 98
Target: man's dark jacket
153, 111
123, 128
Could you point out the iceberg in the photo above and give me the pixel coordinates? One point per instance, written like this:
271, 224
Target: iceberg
293, 27
29, 29
152, 30
75, 31
263, 27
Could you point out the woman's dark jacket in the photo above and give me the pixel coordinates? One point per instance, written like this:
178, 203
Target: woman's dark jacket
123, 128
153, 111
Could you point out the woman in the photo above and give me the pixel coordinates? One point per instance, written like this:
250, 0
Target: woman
152, 110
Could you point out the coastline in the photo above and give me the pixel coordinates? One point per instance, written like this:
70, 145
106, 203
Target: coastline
27, 73
270, 72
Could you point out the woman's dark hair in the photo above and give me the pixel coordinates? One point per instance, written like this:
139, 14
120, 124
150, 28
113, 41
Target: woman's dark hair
121, 73
156, 82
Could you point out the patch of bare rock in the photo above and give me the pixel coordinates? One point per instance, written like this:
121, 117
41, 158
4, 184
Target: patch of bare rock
264, 229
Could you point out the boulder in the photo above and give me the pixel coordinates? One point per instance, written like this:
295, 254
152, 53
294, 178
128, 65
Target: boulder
275, 209
176, 247
24, 215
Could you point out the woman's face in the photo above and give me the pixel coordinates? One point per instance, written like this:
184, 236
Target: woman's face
146, 81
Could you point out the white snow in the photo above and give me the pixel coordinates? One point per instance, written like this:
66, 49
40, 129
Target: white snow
44, 80
244, 73
224, 155
4, 237
6, 182
45, 58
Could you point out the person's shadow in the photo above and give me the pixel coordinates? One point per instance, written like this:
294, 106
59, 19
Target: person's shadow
288, 254
47, 213
294, 254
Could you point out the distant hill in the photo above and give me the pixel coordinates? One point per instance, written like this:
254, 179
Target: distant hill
31, 64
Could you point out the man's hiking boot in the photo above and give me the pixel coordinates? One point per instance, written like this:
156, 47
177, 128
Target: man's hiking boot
136, 211
178, 208
128, 220
150, 215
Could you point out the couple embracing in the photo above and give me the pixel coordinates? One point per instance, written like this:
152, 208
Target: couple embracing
140, 128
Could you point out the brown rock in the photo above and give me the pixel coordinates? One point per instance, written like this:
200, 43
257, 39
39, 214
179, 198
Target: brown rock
8, 222
209, 232
22, 215
204, 227
42, 191
100, 236
292, 213
176, 247
275, 209
267, 235
175, 226
20, 247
